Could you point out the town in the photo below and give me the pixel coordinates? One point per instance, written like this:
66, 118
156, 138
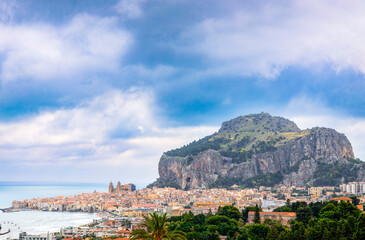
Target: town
122, 209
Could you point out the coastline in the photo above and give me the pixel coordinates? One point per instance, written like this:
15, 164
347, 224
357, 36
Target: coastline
40, 222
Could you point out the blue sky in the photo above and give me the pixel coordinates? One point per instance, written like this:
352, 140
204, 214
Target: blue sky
93, 91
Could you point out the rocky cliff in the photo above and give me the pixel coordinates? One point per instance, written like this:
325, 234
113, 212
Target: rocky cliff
261, 150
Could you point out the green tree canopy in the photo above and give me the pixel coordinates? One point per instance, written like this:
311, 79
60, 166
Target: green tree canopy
157, 229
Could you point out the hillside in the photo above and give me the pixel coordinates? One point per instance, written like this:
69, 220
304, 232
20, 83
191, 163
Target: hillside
261, 150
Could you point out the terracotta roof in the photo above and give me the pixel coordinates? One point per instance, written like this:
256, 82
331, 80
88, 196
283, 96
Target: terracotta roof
341, 199
124, 231
289, 214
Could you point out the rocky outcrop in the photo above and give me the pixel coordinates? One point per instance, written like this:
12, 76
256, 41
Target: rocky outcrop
259, 147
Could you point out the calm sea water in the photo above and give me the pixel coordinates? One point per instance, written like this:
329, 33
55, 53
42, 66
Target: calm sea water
36, 222
10, 191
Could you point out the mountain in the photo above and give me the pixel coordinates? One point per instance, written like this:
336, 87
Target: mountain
261, 150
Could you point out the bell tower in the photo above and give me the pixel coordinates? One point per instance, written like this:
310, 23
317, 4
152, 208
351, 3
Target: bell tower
111, 187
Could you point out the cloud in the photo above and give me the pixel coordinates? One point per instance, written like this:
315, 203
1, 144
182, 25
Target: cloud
269, 37
7, 9
130, 8
43, 51
117, 130
308, 112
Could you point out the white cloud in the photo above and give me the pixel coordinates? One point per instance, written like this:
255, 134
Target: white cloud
130, 8
308, 113
267, 39
7, 8
44, 51
117, 130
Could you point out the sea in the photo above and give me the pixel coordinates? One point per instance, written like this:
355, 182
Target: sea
36, 222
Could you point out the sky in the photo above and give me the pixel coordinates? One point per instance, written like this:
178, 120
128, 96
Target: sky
93, 91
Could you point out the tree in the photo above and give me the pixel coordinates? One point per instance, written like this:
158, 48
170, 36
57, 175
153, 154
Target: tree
288, 203
355, 200
283, 209
257, 215
157, 229
326, 234
242, 236
348, 209
216, 220
229, 211
360, 227
304, 214
316, 208
258, 231
244, 213
296, 205
199, 219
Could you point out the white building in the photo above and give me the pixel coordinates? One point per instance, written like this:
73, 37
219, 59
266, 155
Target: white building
353, 187
45, 236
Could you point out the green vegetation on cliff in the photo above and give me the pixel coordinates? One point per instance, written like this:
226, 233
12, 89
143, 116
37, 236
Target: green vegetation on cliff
197, 147
332, 174
250, 134
261, 150
268, 180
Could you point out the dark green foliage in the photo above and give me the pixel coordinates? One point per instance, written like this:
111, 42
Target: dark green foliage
332, 174
268, 180
189, 160
224, 182
283, 209
304, 214
166, 183
257, 215
295, 205
237, 156
277, 230
263, 146
157, 228
330, 220
216, 220
229, 211
360, 227
244, 213
242, 236
197, 147
316, 208
355, 200
242, 143
258, 231
208, 236
199, 219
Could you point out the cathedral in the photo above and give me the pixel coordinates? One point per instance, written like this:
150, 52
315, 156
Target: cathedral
121, 188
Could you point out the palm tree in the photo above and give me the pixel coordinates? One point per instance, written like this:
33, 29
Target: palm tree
157, 229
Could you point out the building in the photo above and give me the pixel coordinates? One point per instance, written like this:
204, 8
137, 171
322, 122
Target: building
111, 187
212, 204
19, 205
338, 199
46, 236
118, 188
284, 217
130, 187
353, 188
315, 191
